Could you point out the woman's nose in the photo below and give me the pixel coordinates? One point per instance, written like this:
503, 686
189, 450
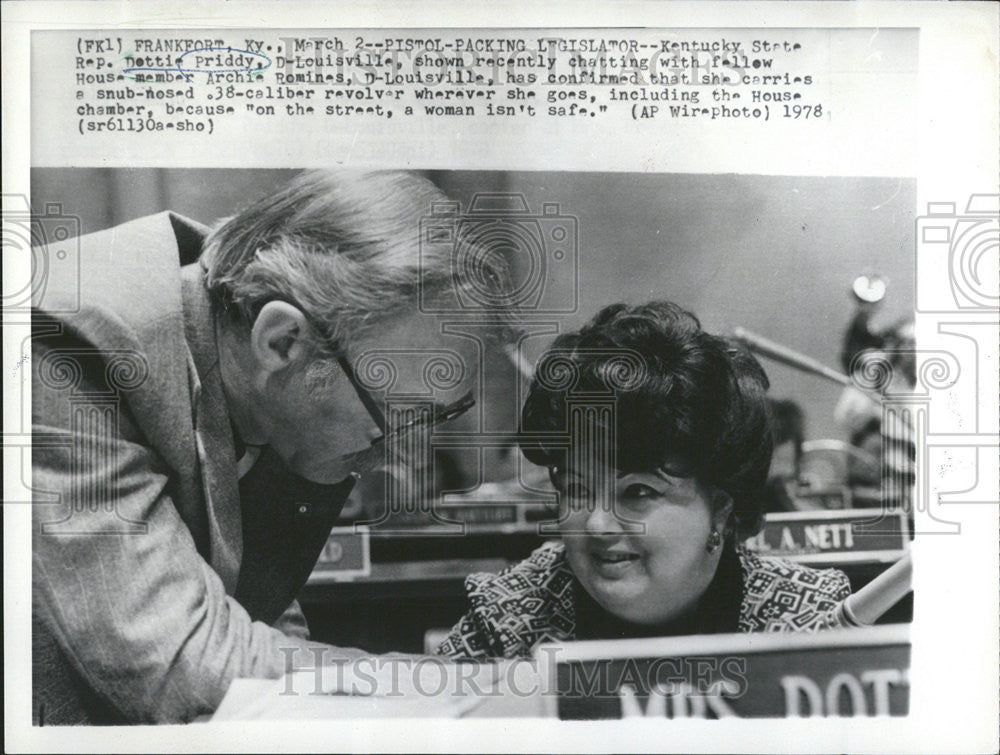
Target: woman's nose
601, 519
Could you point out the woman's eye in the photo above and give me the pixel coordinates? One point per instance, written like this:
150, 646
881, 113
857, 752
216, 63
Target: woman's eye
577, 492
637, 491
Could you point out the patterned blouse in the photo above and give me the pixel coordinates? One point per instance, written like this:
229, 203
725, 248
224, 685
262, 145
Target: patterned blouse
535, 601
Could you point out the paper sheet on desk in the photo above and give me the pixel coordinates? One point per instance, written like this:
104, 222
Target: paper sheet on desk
508, 689
261, 700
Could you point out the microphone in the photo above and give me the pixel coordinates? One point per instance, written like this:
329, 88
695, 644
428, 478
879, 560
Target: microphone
864, 607
790, 357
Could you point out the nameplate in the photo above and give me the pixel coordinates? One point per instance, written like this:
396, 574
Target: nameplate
837, 673
477, 515
485, 514
346, 556
833, 537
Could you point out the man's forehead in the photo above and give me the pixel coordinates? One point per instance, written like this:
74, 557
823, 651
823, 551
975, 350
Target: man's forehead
422, 355
416, 330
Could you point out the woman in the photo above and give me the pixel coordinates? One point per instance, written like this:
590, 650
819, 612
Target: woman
655, 496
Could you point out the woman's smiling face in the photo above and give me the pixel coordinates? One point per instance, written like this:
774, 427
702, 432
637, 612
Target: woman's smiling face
642, 553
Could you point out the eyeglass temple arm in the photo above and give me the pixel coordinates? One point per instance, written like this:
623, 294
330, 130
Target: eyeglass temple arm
366, 398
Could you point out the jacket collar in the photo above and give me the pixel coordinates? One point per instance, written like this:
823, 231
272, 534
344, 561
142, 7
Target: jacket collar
213, 431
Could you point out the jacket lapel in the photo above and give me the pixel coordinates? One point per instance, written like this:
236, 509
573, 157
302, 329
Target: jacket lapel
213, 432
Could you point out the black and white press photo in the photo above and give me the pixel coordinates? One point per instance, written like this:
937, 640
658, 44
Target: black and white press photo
564, 379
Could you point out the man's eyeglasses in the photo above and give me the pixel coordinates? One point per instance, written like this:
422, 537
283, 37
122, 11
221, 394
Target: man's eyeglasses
441, 414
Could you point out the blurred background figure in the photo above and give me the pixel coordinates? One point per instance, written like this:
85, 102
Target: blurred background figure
875, 465
879, 434
788, 428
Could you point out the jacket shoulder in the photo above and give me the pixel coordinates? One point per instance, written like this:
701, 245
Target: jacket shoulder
112, 302
782, 596
525, 604
540, 573
131, 268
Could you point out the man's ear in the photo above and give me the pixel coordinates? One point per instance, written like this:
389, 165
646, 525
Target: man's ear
722, 511
278, 336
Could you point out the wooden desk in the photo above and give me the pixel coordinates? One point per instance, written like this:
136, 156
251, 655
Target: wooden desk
392, 608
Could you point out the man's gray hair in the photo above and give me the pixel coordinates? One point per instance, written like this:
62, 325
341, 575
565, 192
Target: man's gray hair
342, 246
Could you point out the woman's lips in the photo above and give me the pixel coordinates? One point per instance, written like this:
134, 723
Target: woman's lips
613, 563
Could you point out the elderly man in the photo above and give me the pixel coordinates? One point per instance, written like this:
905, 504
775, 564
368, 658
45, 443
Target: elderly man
199, 421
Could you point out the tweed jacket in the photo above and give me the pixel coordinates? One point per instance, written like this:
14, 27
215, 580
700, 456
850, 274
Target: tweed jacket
137, 537
532, 602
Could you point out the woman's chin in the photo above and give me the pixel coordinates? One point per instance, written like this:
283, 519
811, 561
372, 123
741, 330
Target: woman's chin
627, 596
620, 593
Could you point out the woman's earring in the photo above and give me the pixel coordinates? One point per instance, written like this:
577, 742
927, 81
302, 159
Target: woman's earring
714, 541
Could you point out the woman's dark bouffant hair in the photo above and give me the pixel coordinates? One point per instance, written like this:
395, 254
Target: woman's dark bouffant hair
685, 397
